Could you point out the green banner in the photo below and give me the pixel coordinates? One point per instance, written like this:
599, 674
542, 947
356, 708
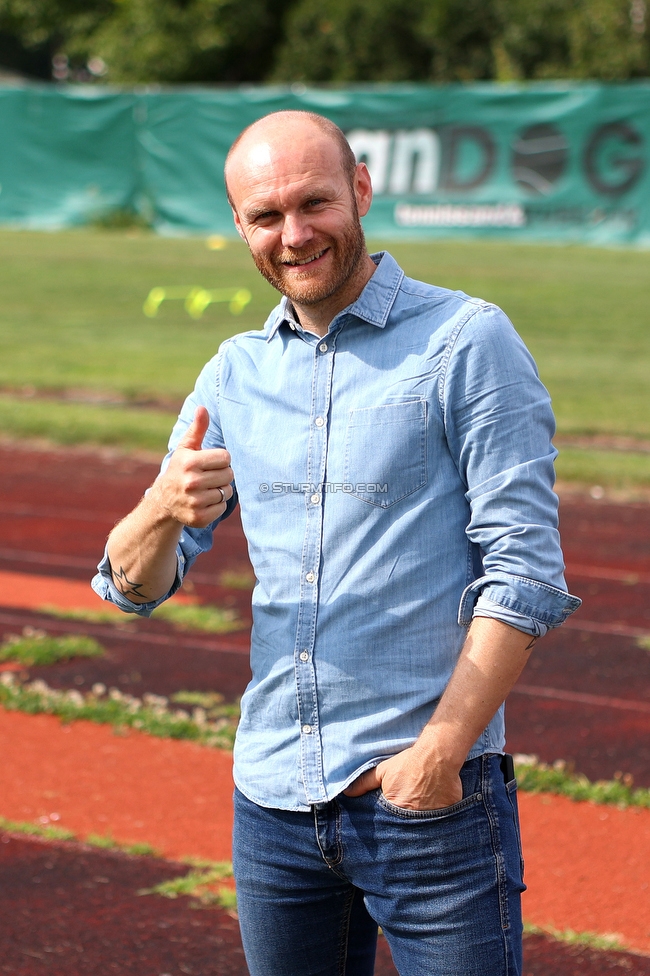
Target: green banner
540, 162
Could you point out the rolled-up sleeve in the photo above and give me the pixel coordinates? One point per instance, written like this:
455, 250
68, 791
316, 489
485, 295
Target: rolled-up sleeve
499, 426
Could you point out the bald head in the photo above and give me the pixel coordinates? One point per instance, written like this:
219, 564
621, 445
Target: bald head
297, 196
280, 131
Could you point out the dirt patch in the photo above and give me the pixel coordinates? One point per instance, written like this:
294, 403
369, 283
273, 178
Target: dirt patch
70, 911
74, 911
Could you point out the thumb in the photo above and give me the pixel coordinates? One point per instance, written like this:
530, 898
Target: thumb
370, 780
193, 436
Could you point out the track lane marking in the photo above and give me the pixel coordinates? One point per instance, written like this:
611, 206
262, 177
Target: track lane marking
79, 562
614, 630
29, 591
581, 698
630, 576
178, 639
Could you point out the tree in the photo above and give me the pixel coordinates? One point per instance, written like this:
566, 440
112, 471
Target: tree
154, 40
600, 39
140, 41
463, 40
353, 40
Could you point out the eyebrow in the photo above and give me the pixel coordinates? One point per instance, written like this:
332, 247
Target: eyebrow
316, 193
254, 212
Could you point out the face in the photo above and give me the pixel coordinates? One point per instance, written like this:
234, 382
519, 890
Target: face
296, 210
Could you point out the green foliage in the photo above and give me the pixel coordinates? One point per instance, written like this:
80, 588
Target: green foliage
36, 648
353, 40
462, 35
204, 699
103, 841
536, 777
592, 940
89, 616
137, 849
120, 218
200, 883
206, 617
141, 849
337, 40
154, 40
604, 41
151, 714
107, 843
236, 580
35, 830
463, 40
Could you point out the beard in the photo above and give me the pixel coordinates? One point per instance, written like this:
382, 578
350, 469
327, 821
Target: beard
308, 287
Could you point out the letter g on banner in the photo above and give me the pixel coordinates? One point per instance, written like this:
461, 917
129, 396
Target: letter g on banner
608, 170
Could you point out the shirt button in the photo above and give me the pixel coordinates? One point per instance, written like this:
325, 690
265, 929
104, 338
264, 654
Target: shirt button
304, 656
319, 421
306, 729
323, 347
314, 499
310, 577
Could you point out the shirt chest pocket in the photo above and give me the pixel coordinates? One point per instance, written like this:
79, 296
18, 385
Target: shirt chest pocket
385, 452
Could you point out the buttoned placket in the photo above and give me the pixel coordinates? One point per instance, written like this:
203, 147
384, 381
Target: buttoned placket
311, 758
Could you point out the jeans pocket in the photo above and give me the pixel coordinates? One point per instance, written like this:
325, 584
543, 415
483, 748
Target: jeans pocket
406, 814
385, 452
511, 793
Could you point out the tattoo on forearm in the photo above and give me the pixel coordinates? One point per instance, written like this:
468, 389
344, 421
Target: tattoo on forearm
126, 586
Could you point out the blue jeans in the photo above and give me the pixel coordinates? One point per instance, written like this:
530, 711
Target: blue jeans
444, 885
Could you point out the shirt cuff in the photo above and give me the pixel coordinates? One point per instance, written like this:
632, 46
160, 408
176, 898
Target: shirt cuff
105, 588
546, 604
528, 625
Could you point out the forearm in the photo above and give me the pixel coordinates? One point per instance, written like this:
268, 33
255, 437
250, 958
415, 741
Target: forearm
142, 552
492, 659
425, 776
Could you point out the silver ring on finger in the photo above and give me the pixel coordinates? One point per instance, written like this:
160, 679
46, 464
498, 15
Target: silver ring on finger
223, 496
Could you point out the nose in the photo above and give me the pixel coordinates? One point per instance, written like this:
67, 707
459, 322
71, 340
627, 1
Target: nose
296, 230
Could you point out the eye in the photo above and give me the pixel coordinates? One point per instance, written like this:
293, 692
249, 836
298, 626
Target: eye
315, 203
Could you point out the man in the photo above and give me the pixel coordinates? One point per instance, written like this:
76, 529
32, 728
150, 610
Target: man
390, 444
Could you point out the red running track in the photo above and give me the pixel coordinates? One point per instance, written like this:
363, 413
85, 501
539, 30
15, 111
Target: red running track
584, 696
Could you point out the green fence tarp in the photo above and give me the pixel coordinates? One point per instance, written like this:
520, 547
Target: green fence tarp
540, 162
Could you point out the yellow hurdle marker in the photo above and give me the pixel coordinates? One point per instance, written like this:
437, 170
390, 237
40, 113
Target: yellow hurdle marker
197, 299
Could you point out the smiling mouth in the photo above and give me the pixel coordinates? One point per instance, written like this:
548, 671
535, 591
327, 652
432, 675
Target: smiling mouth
309, 260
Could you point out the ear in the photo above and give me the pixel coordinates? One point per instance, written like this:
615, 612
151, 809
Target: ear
362, 189
238, 226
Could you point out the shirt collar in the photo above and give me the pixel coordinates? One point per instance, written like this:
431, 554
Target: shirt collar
373, 305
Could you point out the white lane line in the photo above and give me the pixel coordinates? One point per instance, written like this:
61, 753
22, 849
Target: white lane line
178, 640
580, 698
615, 630
76, 514
630, 576
47, 558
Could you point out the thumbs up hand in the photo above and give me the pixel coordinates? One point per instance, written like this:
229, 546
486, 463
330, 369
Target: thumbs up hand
192, 439
196, 485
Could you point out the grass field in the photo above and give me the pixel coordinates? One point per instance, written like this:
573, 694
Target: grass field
81, 363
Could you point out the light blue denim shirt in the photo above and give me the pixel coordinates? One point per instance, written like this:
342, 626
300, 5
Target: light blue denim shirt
390, 475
